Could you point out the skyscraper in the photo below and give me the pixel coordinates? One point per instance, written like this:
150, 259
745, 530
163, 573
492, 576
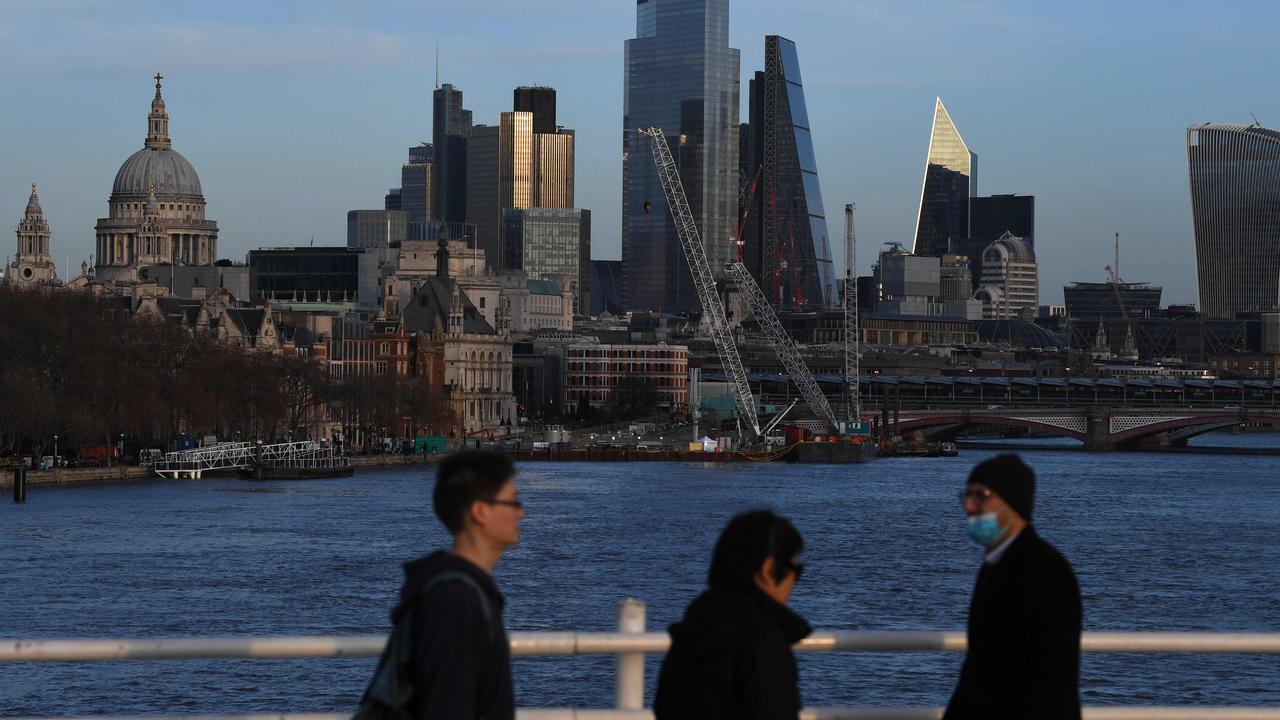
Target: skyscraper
499, 176
541, 101
680, 75
1235, 205
552, 168
416, 189
989, 219
450, 128
785, 242
949, 181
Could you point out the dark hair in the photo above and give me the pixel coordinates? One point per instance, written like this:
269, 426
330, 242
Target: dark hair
746, 541
465, 477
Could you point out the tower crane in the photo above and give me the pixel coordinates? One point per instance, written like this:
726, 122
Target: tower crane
852, 350
703, 280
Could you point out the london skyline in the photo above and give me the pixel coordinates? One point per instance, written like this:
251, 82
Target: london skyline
295, 114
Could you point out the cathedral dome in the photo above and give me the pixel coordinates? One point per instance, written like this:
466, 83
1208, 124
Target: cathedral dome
157, 164
165, 168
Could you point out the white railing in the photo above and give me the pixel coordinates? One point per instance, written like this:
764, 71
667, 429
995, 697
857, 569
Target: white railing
630, 644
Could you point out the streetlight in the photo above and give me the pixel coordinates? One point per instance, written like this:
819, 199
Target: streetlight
55, 450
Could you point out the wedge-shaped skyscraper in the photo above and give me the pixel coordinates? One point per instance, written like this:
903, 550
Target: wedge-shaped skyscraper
1235, 205
785, 242
950, 179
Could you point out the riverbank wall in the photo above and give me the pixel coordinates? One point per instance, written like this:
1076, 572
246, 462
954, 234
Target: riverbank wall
76, 476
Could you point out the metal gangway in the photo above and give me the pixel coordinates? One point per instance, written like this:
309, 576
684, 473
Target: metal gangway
235, 455
630, 643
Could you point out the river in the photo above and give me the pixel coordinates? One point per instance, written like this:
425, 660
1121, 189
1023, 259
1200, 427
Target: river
1159, 542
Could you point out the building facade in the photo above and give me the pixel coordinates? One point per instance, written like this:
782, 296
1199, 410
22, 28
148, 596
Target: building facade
551, 243
1103, 301
593, 371
1234, 172
679, 75
32, 265
1010, 283
451, 126
990, 218
499, 176
785, 241
377, 228
949, 182
179, 233
541, 101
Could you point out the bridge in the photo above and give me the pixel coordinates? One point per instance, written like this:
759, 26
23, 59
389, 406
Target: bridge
1098, 427
235, 455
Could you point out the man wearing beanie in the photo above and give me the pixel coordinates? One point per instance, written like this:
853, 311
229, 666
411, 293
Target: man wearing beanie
1023, 659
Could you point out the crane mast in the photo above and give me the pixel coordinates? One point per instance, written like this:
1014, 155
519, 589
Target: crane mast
782, 343
852, 352
703, 280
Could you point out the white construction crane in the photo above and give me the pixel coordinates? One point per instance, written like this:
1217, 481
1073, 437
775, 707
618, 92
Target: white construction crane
703, 280
782, 343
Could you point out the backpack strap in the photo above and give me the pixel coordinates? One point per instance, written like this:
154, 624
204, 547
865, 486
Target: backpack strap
450, 575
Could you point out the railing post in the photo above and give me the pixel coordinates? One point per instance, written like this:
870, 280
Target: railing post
630, 683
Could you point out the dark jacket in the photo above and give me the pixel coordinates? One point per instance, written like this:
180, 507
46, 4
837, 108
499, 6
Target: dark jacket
731, 658
1024, 638
461, 662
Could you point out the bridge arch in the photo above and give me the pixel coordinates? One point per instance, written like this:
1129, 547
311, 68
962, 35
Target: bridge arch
1072, 426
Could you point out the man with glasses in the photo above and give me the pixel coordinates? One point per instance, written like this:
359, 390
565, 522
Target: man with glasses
452, 659
1023, 659
731, 656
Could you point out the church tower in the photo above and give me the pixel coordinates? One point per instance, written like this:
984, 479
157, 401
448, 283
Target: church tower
33, 266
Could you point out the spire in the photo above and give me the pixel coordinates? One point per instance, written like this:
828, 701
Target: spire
158, 121
33, 203
442, 254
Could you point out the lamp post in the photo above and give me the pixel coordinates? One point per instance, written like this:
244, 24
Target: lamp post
55, 450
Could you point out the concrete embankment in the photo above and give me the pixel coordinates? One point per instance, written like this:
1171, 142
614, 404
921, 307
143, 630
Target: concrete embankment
76, 476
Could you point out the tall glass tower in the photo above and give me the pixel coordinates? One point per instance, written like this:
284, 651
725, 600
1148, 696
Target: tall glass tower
785, 242
1235, 206
950, 179
680, 75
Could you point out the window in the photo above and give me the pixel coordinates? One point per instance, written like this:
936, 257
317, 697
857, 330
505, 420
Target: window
382, 368
482, 303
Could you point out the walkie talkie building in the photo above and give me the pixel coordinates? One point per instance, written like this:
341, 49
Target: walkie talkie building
1235, 206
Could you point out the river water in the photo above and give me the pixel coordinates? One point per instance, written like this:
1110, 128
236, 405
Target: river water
1159, 542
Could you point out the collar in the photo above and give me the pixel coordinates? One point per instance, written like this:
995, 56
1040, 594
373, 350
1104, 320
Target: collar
994, 554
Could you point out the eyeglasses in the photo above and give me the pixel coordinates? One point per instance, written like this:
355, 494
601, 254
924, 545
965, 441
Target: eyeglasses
978, 496
513, 504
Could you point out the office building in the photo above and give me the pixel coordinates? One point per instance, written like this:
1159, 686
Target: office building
315, 275
553, 169
553, 244
377, 228
1103, 300
450, 129
594, 370
679, 75
416, 189
1234, 172
950, 180
1010, 284
990, 218
499, 177
541, 101
606, 287
785, 241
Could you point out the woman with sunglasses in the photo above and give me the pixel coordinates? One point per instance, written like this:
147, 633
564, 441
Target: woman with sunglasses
731, 654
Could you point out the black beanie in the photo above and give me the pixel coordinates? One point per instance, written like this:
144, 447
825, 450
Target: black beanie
1011, 479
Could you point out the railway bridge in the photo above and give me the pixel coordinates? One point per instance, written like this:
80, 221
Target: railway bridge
1097, 427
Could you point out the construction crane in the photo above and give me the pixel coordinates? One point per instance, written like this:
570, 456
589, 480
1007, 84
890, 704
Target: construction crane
852, 351
782, 343
703, 280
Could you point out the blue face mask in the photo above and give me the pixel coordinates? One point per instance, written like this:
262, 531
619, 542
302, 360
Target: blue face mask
985, 529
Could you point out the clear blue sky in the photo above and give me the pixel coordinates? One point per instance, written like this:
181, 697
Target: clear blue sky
295, 112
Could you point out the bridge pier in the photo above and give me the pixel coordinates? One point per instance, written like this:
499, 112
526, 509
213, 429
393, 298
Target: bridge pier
1098, 431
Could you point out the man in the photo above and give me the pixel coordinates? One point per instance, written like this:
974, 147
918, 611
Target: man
459, 658
1023, 659
730, 656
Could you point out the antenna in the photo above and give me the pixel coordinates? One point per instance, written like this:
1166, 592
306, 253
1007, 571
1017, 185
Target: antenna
1256, 121
437, 66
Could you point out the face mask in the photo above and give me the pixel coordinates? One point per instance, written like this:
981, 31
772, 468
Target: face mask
985, 529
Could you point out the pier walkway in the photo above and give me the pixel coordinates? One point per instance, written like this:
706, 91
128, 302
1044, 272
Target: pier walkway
631, 643
235, 455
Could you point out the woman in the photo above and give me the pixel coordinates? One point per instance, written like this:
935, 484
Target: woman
731, 655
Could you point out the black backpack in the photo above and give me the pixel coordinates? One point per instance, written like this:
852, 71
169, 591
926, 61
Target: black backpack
391, 689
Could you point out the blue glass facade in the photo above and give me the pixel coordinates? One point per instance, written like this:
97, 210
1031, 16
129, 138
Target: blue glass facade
785, 241
682, 76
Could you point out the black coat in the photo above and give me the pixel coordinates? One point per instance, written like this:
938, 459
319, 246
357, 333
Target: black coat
1024, 638
461, 662
731, 658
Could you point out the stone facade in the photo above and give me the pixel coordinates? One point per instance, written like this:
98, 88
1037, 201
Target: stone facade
32, 265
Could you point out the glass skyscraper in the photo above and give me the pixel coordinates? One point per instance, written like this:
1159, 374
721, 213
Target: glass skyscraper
1235, 205
682, 76
785, 241
450, 129
949, 181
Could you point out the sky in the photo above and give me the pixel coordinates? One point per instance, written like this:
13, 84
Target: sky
295, 112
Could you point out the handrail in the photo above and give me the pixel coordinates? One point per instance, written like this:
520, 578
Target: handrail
555, 644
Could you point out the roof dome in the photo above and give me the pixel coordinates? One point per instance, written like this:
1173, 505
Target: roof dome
164, 168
